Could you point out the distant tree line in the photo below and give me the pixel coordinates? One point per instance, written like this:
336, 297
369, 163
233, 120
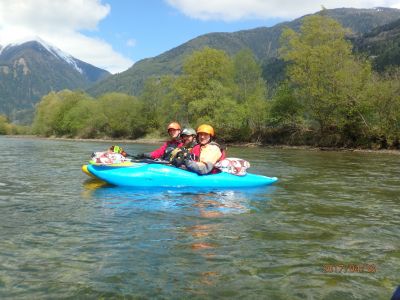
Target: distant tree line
7, 128
329, 97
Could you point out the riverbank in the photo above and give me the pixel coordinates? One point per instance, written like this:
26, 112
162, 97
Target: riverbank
247, 145
113, 141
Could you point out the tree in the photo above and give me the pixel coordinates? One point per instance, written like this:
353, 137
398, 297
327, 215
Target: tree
327, 78
383, 108
223, 112
200, 72
79, 119
3, 124
251, 93
72, 114
286, 110
160, 104
123, 115
60, 113
8, 128
46, 113
248, 76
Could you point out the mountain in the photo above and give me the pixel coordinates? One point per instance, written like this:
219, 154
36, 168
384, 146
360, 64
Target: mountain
263, 41
33, 69
382, 44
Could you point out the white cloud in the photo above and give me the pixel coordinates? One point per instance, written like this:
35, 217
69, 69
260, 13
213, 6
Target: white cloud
131, 42
231, 10
58, 23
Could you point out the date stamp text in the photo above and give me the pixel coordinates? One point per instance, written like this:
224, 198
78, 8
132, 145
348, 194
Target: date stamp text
349, 268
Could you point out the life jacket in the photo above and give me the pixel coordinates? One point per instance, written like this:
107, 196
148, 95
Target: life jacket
185, 150
171, 145
196, 151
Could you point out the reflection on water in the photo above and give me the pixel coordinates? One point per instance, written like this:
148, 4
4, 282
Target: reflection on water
193, 201
189, 225
63, 235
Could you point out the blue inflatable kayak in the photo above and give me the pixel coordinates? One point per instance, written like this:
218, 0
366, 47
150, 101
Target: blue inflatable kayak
158, 175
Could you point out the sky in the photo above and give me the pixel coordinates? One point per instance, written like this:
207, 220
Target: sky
114, 34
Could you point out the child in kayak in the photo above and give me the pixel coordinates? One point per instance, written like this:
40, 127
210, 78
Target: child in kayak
164, 152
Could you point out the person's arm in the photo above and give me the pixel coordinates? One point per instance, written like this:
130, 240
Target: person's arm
199, 167
158, 153
208, 158
142, 155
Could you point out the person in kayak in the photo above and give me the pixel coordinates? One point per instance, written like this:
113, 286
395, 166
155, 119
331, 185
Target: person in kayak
164, 152
206, 153
188, 137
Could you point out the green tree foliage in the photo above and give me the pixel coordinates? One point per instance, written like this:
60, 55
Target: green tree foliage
327, 78
286, 118
62, 114
330, 97
286, 110
160, 104
201, 71
226, 92
383, 105
80, 120
46, 113
220, 110
123, 115
248, 76
7, 128
68, 120
251, 94
68, 113
3, 124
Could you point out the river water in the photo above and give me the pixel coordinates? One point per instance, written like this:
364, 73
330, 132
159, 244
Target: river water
329, 229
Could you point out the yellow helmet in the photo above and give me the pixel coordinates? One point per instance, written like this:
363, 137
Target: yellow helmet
174, 125
206, 129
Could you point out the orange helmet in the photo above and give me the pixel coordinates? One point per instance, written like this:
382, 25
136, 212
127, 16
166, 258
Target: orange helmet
174, 125
206, 129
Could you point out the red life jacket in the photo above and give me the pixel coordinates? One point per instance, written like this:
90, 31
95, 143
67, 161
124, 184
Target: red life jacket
164, 151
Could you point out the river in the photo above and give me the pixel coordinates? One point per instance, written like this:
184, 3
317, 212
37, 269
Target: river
329, 229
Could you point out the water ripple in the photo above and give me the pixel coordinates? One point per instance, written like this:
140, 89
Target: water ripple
65, 236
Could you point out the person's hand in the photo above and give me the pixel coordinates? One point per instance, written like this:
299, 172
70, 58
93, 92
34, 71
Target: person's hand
180, 158
177, 162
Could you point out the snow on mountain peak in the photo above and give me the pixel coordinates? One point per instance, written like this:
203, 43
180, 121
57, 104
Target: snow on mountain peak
60, 54
50, 48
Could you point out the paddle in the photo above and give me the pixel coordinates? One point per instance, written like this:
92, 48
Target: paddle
135, 158
147, 160
151, 161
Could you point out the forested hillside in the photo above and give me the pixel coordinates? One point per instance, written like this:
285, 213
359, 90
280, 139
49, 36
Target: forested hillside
330, 97
263, 42
382, 45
